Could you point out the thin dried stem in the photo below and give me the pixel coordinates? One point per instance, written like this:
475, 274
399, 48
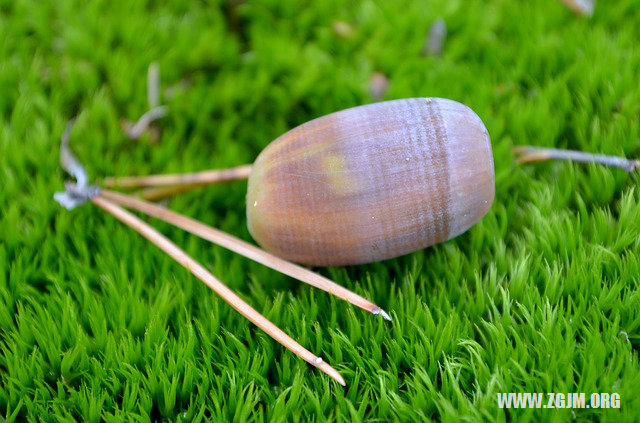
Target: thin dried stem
155, 112
528, 154
68, 160
221, 289
136, 131
197, 178
153, 85
435, 39
162, 192
245, 249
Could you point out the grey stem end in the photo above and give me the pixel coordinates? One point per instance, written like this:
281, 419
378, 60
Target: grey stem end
78, 192
383, 313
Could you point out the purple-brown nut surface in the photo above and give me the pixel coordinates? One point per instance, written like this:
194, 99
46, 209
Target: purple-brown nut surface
371, 182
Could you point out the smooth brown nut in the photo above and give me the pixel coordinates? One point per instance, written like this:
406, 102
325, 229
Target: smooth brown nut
371, 182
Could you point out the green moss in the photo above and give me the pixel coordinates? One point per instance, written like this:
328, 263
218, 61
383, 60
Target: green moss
541, 296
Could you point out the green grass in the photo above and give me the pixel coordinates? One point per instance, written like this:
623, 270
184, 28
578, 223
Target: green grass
96, 323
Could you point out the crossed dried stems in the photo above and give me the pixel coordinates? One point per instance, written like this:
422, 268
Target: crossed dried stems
79, 192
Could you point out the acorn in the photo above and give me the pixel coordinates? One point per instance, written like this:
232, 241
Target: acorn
371, 182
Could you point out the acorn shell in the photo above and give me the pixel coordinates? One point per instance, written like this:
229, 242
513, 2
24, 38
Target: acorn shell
371, 182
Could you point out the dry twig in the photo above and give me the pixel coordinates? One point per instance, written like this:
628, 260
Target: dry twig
162, 192
153, 85
378, 84
155, 112
435, 39
196, 179
527, 154
136, 130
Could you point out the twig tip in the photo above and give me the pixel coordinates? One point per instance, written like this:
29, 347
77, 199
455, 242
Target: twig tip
383, 313
319, 363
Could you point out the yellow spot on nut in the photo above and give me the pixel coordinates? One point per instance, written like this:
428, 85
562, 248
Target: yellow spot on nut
339, 178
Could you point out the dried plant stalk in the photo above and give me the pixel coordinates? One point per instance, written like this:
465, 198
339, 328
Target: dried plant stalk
156, 110
435, 39
136, 130
221, 289
153, 85
161, 192
245, 249
196, 178
378, 85
527, 154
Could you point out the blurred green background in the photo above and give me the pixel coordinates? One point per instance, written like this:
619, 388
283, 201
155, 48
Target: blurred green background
541, 296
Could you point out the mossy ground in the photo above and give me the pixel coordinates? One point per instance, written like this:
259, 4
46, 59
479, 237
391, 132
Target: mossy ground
543, 295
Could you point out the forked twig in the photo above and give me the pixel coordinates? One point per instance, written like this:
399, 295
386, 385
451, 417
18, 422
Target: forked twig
156, 111
218, 287
528, 154
245, 249
195, 179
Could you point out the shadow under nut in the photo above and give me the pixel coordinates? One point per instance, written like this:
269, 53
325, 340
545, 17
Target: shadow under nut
371, 182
